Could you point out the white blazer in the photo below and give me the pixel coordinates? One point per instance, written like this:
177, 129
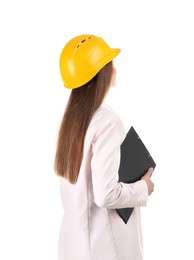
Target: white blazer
91, 229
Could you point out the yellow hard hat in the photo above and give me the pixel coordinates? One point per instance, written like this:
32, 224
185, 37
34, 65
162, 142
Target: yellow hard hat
82, 58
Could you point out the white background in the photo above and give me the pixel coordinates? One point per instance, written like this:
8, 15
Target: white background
154, 93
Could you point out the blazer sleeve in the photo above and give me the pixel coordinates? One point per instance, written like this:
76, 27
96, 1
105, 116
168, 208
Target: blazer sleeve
108, 192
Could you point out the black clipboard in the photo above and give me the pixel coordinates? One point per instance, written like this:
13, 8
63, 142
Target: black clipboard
134, 163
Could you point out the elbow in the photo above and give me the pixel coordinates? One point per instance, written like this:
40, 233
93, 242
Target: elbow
107, 200
100, 202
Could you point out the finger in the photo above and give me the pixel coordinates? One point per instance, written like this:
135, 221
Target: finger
149, 172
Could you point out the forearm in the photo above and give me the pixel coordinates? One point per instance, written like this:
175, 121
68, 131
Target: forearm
123, 196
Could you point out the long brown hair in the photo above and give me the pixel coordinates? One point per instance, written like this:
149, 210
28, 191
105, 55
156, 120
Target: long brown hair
82, 104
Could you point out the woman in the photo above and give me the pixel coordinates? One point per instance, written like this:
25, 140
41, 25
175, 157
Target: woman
87, 161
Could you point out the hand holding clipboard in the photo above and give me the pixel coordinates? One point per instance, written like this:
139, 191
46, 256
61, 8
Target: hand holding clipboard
135, 162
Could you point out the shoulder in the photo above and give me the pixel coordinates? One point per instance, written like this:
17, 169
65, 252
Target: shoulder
106, 119
105, 115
